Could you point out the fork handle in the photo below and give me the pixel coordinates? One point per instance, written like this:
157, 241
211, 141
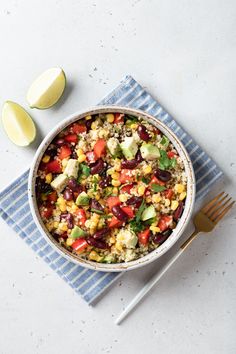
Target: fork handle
150, 284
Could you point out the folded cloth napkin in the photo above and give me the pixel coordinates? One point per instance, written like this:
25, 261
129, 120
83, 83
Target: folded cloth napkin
15, 210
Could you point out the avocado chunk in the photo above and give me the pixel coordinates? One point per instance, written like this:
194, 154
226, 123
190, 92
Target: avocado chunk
82, 199
72, 168
114, 146
77, 232
59, 182
149, 152
148, 213
129, 147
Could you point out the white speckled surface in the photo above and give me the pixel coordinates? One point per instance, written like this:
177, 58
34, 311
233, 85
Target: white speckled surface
184, 52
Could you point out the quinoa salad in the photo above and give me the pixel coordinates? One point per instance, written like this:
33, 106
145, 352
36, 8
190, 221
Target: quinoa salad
111, 188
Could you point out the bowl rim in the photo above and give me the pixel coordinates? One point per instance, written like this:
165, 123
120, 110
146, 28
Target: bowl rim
177, 232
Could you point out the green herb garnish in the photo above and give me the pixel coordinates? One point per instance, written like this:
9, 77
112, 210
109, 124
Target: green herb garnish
97, 211
164, 162
150, 221
165, 141
146, 180
140, 211
157, 188
85, 170
136, 226
132, 118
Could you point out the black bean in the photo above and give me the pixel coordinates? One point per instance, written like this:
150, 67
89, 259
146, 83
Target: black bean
162, 237
143, 133
136, 201
138, 156
42, 187
97, 167
119, 213
96, 243
88, 123
162, 175
105, 182
178, 212
101, 233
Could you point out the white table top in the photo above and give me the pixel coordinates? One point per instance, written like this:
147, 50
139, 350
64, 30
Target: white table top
184, 52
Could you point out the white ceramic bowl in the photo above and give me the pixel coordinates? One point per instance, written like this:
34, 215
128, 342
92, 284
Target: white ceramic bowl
116, 267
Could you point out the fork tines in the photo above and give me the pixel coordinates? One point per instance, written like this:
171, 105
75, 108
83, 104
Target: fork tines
218, 207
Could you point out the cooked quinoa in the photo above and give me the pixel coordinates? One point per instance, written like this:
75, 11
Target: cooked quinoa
111, 188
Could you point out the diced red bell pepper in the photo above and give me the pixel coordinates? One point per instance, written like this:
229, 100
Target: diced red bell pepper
129, 211
112, 201
78, 128
168, 193
171, 154
71, 138
164, 222
126, 176
143, 237
100, 148
115, 222
46, 211
156, 181
54, 166
127, 188
91, 157
79, 245
81, 216
65, 151
119, 118
52, 197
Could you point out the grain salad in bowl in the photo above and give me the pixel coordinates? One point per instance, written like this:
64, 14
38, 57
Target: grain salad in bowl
110, 188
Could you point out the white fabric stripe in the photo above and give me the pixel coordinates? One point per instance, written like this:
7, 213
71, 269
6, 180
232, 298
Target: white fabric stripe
43, 250
14, 190
65, 264
71, 271
127, 93
176, 131
203, 165
25, 217
150, 107
95, 284
183, 136
136, 97
17, 210
16, 200
165, 117
79, 275
207, 185
193, 150
104, 288
198, 158
143, 101
206, 174
188, 143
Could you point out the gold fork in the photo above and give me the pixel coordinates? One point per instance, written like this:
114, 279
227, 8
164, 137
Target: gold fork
204, 221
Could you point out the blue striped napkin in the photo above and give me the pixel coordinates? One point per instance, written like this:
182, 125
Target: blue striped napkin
15, 210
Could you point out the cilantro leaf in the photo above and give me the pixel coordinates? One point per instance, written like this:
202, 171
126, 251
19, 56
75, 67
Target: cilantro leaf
157, 188
140, 211
136, 226
85, 170
146, 180
164, 162
173, 162
165, 141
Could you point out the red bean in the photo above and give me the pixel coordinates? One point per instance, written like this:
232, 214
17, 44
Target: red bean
96, 205
162, 175
96, 243
162, 237
130, 164
143, 133
178, 212
69, 219
101, 233
74, 186
105, 182
136, 201
119, 213
138, 156
97, 167
68, 194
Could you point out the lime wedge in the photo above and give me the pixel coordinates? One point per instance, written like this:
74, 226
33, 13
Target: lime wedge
46, 90
18, 124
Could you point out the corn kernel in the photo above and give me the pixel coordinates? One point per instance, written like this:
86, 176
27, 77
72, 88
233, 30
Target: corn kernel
112, 240
55, 224
94, 125
147, 170
79, 152
43, 197
115, 190
94, 256
117, 165
148, 199
156, 198
46, 158
134, 126
82, 158
97, 196
61, 203
88, 117
154, 229
167, 202
69, 241
62, 226
64, 162
123, 198
182, 196
115, 175
110, 117
179, 188
115, 183
174, 204
48, 178
141, 190
118, 246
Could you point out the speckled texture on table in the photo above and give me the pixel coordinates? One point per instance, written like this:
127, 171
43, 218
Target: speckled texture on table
184, 51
